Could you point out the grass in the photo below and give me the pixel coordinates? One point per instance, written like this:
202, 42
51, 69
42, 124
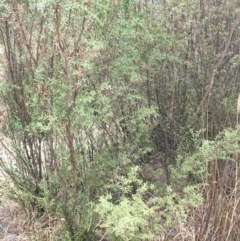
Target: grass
16, 224
216, 219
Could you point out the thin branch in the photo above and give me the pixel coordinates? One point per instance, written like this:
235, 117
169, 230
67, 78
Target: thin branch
216, 67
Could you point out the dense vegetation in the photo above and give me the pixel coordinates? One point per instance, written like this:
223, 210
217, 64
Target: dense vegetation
120, 117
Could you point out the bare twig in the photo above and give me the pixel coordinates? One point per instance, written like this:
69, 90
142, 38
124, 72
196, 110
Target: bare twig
216, 67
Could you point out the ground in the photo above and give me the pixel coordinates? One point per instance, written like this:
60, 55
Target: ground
11, 227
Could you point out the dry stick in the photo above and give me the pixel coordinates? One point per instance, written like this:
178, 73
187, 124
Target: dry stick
174, 81
218, 64
236, 201
174, 47
238, 108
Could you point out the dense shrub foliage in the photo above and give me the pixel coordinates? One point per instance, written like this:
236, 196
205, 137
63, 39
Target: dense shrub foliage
120, 118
